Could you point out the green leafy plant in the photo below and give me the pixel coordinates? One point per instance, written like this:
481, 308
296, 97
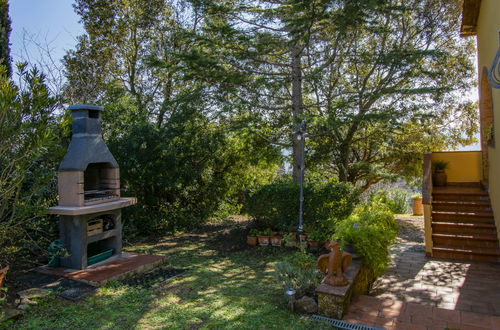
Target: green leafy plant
253, 232
440, 165
31, 147
277, 205
266, 232
290, 240
318, 235
417, 195
371, 229
299, 272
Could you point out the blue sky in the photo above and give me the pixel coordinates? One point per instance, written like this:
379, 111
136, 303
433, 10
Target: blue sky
49, 22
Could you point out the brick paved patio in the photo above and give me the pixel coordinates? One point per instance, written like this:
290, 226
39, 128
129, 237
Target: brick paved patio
421, 293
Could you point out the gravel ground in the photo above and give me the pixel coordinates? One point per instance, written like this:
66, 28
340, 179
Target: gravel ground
411, 229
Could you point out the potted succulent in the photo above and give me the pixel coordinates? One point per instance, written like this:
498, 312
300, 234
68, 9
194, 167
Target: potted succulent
252, 237
440, 179
264, 237
276, 239
418, 208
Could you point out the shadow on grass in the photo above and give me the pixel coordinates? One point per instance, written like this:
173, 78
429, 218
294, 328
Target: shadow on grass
227, 285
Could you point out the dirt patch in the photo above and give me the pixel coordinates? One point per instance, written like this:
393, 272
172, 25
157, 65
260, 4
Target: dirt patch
224, 236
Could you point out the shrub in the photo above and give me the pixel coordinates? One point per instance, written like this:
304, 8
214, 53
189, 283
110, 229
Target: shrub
30, 150
183, 173
371, 229
277, 205
395, 199
299, 272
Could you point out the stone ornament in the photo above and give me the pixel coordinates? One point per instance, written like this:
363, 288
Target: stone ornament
334, 263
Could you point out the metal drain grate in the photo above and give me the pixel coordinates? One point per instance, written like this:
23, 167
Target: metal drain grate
342, 325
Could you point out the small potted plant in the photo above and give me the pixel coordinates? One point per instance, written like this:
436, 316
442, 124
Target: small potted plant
276, 239
440, 179
315, 238
252, 237
418, 208
264, 237
290, 240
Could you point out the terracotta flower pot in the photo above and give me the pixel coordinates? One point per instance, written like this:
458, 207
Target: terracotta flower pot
418, 208
440, 178
252, 240
302, 237
313, 244
276, 240
263, 240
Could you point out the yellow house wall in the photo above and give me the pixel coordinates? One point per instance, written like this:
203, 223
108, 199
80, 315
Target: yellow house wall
487, 39
463, 166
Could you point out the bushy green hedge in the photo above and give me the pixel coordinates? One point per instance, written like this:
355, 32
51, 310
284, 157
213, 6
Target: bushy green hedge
371, 229
185, 172
276, 205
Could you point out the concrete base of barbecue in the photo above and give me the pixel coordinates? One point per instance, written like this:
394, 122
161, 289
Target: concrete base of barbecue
73, 228
114, 268
74, 237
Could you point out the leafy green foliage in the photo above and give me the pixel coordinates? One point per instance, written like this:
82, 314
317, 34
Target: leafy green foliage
299, 272
371, 229
319, 235
277, 205
397, 200
29, 153
183, 173
440, 165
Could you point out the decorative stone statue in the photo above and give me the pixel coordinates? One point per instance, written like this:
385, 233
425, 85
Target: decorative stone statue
3, 272
335, 263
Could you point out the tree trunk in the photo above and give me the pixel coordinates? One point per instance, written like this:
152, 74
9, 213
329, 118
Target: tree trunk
297, 109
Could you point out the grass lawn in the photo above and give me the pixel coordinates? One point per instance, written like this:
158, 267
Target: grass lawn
227, 285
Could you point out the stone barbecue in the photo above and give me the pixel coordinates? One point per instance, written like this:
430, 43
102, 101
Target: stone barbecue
89, 194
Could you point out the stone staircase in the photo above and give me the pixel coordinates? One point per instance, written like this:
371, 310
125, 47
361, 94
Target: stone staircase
463, 226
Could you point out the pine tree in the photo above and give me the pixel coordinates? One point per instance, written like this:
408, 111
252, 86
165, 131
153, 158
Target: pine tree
5, 30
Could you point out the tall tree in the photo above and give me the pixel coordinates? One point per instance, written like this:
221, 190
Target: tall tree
396, 95
5, 30
364, 74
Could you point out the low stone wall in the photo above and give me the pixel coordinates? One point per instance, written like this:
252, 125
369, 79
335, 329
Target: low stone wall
333, 301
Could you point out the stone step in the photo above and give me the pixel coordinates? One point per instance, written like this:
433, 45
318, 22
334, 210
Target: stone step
461, 206
466, 240
460, 194
462, 227
467, 217
466, 253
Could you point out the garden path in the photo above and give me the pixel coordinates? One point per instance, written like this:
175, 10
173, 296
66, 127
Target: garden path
426, 293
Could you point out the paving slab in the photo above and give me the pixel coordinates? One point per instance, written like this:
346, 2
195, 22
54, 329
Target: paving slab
114, 269
430, 293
